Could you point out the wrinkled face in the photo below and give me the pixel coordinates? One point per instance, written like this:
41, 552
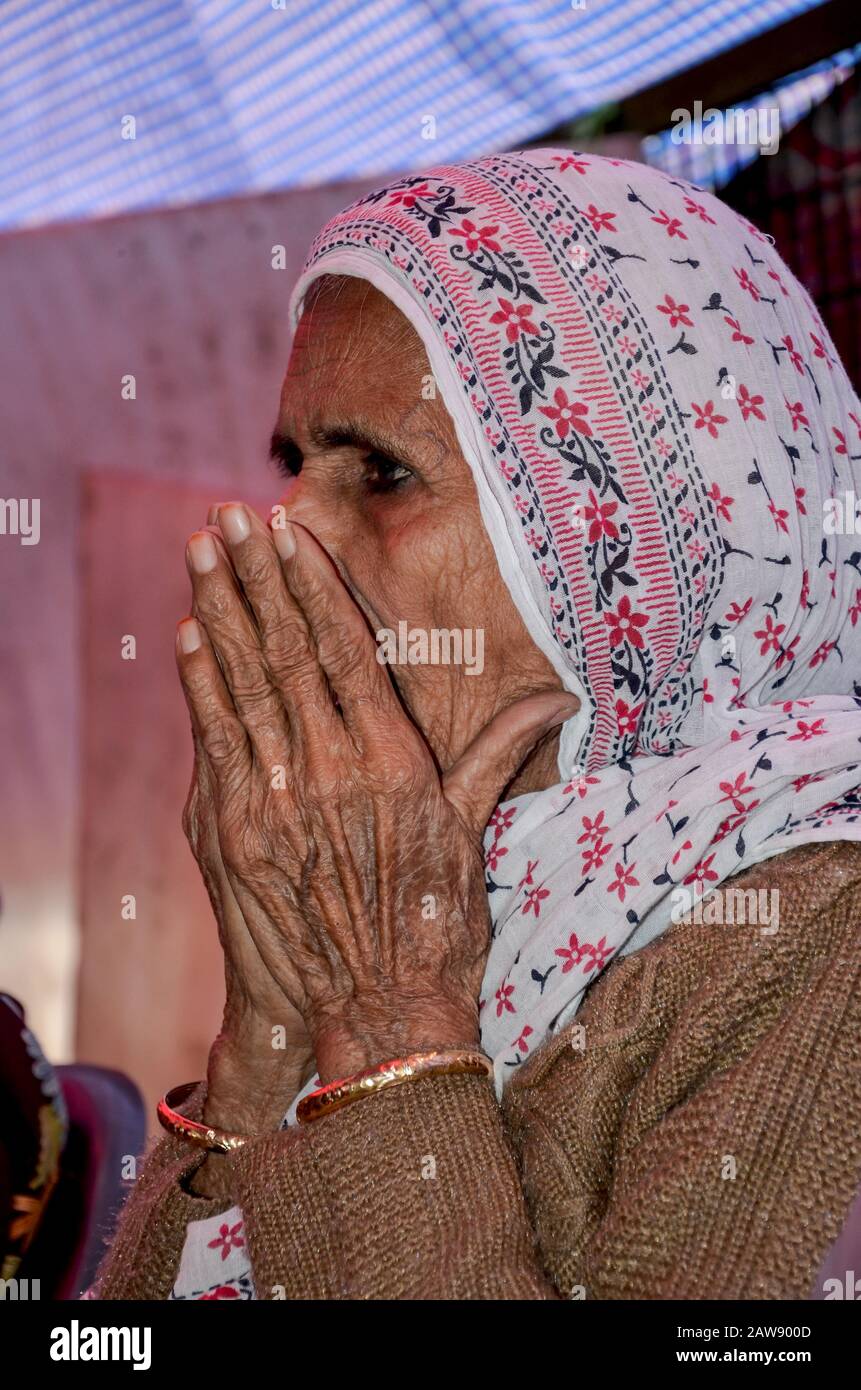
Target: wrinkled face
374, 470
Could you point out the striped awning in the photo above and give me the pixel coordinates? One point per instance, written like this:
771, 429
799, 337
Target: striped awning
108, 107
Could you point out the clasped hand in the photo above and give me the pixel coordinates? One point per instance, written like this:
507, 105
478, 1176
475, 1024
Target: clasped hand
354, 873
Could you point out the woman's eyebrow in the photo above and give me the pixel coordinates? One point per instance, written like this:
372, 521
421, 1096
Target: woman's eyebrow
346, 435
352, 434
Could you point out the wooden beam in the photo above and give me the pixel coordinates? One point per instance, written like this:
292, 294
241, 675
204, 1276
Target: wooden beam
748, 69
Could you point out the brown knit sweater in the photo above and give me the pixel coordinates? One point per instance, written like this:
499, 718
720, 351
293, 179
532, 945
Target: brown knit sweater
701, 1139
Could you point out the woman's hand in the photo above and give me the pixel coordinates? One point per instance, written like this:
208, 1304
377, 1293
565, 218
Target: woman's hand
357, 868
262, 1057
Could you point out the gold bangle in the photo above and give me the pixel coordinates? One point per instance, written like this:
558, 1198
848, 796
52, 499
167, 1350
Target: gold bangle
204, 1136
435, 1062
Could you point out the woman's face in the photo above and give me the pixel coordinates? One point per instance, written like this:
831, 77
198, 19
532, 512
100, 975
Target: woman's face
374, 470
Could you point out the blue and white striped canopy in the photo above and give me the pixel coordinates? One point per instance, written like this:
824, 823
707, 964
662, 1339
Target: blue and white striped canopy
107, 107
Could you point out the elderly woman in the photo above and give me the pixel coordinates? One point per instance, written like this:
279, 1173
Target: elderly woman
578, 416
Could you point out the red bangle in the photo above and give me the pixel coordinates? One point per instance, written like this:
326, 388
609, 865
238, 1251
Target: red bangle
450, 1061
204, 1136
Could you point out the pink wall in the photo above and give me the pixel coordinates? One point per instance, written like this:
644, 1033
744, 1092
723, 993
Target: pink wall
94, 751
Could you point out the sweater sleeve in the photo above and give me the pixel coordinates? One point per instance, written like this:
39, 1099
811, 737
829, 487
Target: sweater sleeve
411, 1193
604, 1171
695, 1133
144, 1254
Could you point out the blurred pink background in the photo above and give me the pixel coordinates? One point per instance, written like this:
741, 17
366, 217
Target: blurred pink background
96, 752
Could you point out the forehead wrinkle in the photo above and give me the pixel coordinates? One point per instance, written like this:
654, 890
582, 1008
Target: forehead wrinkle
365, 328
358, 369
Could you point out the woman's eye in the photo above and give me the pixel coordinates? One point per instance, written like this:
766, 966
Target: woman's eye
383, 474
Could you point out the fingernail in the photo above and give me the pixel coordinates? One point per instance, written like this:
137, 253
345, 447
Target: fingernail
285, 541
234, 523
202, 553
212, 514
189, 635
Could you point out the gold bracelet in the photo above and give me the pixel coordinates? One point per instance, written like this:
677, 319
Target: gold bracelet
204, 1136
435, 1062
